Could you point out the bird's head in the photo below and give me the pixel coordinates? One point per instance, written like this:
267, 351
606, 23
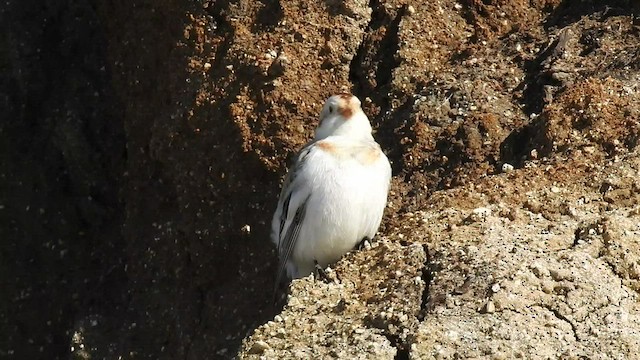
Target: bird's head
342, 115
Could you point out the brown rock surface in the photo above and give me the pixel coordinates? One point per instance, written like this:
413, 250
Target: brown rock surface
145, 141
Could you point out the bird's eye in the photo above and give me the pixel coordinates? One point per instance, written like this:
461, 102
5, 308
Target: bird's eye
330, 109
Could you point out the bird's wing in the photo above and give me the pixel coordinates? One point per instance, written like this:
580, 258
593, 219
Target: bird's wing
292, 208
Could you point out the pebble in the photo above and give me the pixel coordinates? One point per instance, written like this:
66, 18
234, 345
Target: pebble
278, 66
480, 214
547, 287
259, 347
539, 270
489, 308
499, 356
495, 288
561, 274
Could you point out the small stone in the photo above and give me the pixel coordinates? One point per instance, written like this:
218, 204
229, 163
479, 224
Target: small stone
411, 10
480, 214
449, 302
278, 66
269, 324
509, 213
561, 274
293, 301
259, 347
207, 66
533, 205
567, 209
609, 319
346, 58
539, 270
495, 288
547, 287
499, 356
488, 308
507, 168
563, 288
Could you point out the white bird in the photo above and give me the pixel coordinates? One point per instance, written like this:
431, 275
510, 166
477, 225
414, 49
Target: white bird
335, 193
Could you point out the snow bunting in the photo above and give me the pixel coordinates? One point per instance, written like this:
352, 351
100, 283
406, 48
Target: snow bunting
334, 194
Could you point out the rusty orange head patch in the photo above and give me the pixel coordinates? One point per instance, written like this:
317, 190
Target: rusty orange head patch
345, 108
346, 112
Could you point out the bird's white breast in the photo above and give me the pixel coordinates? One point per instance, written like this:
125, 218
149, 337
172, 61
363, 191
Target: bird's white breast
348, 182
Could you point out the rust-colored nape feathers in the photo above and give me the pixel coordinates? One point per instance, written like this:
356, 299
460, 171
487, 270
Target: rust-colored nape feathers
346, 107
326, 146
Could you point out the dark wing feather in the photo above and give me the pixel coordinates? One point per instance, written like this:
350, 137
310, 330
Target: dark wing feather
283, 220
291, 237
288, 237
288, 188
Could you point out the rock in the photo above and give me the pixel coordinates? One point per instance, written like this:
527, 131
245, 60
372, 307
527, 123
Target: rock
258, 347
489, 307
365, 320
507, 167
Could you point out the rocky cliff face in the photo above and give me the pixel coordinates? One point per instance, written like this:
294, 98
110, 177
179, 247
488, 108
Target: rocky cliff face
144, 144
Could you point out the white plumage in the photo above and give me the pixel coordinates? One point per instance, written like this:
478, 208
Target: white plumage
334, 194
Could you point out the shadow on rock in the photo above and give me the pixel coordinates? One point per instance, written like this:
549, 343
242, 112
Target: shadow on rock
62, 159
198, 206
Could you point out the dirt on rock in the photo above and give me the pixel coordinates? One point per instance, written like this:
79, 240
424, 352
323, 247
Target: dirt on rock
144, 143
